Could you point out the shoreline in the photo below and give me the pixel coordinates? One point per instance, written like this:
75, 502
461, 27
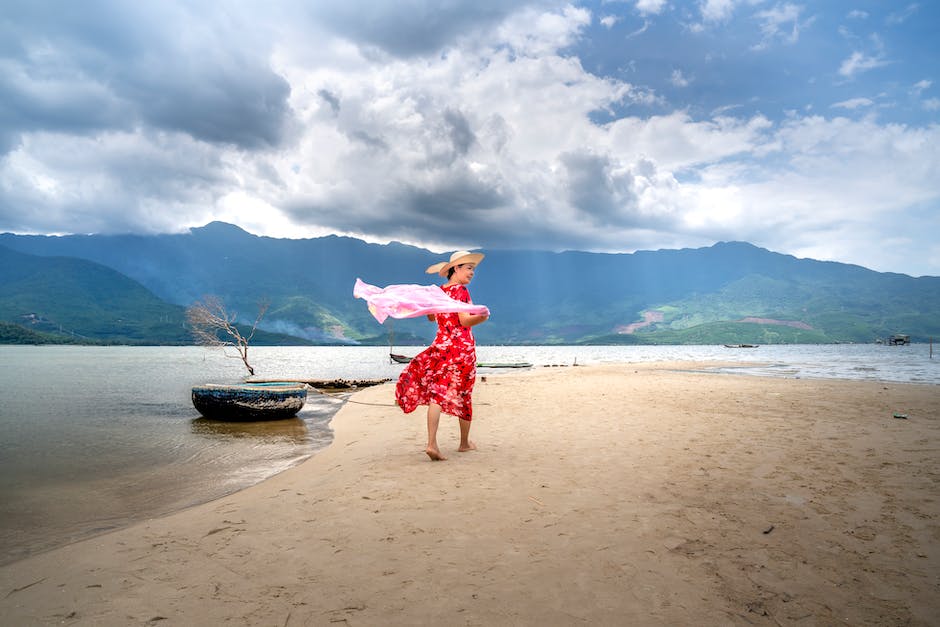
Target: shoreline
600, 493
59, 513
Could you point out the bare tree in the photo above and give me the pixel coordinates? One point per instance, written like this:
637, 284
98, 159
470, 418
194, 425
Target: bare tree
212, 325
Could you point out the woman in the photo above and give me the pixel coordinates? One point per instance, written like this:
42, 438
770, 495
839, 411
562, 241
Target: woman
442, 376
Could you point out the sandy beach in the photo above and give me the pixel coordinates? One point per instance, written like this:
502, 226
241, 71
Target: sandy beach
653, 494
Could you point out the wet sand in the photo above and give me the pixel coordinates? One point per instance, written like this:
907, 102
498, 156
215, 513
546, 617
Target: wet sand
628, 494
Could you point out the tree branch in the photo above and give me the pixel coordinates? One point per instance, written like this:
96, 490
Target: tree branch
212, 325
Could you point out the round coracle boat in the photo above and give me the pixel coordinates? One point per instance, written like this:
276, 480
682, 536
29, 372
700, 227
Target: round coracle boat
249, 401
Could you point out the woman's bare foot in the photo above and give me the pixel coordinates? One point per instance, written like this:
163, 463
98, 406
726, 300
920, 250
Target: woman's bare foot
470, 446
434, 454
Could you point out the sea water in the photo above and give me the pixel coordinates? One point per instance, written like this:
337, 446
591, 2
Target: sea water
96, 438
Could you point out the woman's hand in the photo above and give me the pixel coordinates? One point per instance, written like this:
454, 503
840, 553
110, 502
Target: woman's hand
470, 320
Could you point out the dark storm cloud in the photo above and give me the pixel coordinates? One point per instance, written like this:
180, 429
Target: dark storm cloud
58, 105
456, 208
43, 84
331, 99
83, 67
230, 103
458, 198
601, 195
590, 188
451, 138
369, 140
607, 194
461, 135
412, 27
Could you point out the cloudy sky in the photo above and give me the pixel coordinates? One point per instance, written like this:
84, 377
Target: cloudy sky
809, 128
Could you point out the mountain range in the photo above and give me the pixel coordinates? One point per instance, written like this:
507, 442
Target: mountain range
135, 288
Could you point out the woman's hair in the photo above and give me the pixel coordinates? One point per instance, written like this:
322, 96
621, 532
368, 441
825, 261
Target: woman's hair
451, 271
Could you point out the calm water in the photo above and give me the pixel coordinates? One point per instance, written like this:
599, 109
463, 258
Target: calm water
95, 438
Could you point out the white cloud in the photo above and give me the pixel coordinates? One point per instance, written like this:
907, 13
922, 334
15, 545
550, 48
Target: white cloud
650, 7
920, 87
836, 183
859, 62
931, 104
678, 79
717, 10
680, 144
639, 31
135, 182
857, 14
853, 103
608, 21
899, 17
385, 135
781, 23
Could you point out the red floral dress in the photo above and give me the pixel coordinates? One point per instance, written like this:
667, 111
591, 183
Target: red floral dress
444, 373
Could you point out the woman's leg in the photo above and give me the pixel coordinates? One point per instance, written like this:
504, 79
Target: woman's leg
434, 419
465, 443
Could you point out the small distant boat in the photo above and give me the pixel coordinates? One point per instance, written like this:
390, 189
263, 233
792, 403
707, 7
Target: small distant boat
250, 401
401, 359
741, 345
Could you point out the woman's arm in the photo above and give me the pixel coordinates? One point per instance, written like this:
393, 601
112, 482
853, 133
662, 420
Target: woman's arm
470, 320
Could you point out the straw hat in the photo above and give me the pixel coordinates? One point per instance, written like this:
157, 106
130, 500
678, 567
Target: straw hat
459, 257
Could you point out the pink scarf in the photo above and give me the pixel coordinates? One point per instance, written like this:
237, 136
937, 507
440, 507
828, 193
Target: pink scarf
411, 301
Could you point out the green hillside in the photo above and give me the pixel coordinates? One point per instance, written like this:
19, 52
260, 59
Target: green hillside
730, 293
83, 301
760, 309
61, 300
17, 334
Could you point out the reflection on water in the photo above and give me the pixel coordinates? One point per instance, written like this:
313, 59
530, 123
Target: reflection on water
293, 430
310, 429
